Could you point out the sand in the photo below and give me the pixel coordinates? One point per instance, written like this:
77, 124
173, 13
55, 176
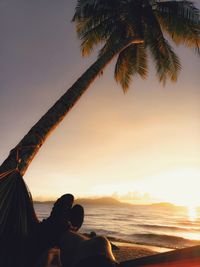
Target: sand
130, 256
129, 252
186, 257
125, 252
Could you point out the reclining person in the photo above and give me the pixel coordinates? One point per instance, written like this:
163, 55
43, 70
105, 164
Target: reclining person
60, 230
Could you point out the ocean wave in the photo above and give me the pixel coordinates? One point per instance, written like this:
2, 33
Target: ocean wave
167, 241
168, 228
99, 231
190, 223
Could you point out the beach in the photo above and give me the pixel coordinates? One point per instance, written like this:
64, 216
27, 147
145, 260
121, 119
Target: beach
129, 256
132, 252
124, 253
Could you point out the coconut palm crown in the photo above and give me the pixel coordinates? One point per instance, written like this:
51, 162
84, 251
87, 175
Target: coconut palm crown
108, 22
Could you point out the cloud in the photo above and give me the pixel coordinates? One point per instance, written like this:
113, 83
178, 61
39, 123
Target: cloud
135, 197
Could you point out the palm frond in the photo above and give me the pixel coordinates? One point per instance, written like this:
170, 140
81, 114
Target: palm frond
108, 22
92, 38
131, 61
95, 29
181, 20
180, 9
166, 61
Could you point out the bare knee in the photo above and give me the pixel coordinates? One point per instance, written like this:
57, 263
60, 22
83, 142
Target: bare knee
102, 241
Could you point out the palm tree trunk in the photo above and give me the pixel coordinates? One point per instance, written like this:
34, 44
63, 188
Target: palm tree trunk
21, 156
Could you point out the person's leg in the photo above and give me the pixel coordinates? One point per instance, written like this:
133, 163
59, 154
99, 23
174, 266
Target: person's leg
77, 250
69, 244
62, 206
94, 252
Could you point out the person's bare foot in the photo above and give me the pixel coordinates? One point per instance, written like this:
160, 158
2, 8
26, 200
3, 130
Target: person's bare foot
76, 217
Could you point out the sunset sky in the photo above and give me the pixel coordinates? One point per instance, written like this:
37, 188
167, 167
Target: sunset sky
143, 146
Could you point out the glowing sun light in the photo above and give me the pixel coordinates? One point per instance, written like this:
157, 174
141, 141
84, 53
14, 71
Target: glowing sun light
192, 213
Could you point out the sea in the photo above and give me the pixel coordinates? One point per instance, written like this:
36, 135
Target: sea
151, 225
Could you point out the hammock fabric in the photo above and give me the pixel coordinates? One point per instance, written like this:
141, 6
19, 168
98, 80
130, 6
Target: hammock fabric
17, 219
17, 215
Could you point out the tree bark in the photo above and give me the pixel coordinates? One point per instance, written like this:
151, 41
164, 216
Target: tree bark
21, 156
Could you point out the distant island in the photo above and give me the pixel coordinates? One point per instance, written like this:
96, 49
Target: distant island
114, 201
92, 201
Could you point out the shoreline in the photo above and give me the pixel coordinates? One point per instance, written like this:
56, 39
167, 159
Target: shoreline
155, 249
129, 252
127, 243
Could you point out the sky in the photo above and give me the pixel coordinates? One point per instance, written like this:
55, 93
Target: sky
141, 147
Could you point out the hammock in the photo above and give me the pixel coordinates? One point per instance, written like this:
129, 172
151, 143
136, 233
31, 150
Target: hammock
17, 219
17, 215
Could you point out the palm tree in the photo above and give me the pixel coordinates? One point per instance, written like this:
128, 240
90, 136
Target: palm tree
130, 30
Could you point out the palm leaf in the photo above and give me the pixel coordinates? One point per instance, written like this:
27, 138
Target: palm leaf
93, 30
166, 61
181, 20
131, 61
